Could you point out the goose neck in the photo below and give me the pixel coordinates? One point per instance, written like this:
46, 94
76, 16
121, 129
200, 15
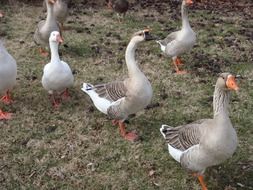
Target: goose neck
50, 13
220, 101
55, 58
132, 67
184, 14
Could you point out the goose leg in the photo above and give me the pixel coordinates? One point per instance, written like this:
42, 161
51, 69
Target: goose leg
55, 103
130, 136
177, 62
43, 52
65, 95
6, 98
201, 181
5, 115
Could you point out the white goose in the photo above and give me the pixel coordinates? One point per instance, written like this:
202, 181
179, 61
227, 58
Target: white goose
45, 27
57, 75
180, 41
119, 99
8, 74
206, 142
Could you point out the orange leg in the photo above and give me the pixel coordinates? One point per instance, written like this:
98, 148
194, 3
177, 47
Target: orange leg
43, 52
201, 181
65, 94
7, 98
130, 136
179, 61
176, 63
55, 103
5, 115
115, 122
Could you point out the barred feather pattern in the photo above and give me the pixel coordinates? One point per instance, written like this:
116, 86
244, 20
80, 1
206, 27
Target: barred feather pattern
111, 91
172, 36
114, 112
185, 136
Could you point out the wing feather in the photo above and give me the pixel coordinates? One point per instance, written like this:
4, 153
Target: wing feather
185, 136
111, 91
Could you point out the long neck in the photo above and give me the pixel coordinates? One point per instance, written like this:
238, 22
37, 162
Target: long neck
184, 13
54, 52
220, 101
50, 13
132, 67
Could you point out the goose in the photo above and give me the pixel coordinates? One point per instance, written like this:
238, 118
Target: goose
60, 10
8, 74
57, 75
119, 99
119, 6
45, 27
206, 142
180, 41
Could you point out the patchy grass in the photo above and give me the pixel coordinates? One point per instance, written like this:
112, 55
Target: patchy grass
77, 147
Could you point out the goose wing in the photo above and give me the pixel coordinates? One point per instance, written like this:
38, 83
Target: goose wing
184, 136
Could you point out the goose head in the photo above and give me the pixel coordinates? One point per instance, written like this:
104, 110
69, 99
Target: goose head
187, 2
143, 35
55, 37
227, 81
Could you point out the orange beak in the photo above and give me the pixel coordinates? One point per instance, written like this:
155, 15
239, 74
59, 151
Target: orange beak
59, 39
231, 83
52, 1
146, 30
189, 2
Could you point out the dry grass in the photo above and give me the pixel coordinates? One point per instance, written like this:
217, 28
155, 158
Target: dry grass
77, 147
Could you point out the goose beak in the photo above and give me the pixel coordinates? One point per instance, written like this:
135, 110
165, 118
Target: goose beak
52, 1
231, 83
189, 2
147, 35
1, 15
59, 39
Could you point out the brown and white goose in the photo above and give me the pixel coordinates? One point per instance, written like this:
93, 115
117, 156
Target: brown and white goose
119, 99
206, 142
45, 27
8, 74
61, 11
180, 41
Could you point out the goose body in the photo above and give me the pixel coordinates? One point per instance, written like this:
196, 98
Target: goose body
179, 42
206, 142
61, 10
45, 27
8, 75
57, 75
119, 99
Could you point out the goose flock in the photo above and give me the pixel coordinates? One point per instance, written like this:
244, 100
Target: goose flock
196, 146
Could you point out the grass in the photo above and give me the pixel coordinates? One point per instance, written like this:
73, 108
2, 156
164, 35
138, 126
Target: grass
76, 147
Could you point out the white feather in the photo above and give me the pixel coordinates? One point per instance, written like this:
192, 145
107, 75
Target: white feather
162, 46
101, 104
175, 153
161, 130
